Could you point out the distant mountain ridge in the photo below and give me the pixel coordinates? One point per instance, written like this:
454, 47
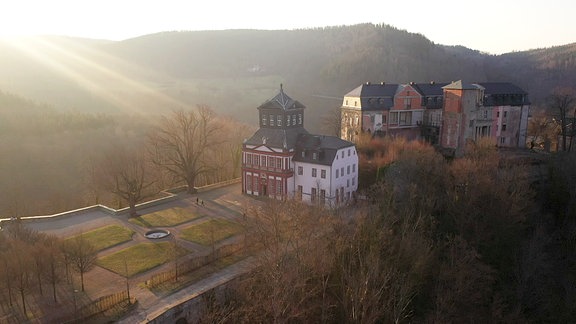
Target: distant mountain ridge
235, 70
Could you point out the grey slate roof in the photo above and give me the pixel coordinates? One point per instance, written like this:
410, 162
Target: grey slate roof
276, 137
503, 94
501, 88
325, 148
377, 96
430, 89
281, 101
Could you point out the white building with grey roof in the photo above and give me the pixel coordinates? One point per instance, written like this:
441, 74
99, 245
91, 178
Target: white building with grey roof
282, 160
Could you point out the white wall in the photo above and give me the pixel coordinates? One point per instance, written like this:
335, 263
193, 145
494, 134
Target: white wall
348, 181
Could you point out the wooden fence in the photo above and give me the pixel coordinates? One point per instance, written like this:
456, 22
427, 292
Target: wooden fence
195, 264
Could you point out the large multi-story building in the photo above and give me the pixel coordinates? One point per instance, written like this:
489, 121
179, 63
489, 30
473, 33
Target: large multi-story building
282, 160
445, 114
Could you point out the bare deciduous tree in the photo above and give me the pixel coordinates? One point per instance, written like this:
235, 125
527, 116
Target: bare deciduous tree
81, 255
562, 103
127, 173
180, 142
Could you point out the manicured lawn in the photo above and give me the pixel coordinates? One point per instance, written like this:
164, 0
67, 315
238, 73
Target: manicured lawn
212, 230
107, 236
140, 258
165, 218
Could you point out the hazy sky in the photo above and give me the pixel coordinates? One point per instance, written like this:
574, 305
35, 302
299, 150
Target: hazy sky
494, 26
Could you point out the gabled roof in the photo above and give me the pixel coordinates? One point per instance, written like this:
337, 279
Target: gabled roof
377, 96
276, 137
460, 85
281, 101
325, 148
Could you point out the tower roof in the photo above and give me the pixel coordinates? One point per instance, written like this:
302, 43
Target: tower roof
281, 101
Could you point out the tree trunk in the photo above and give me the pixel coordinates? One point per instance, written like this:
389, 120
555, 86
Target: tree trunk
23, 302
190, 182
82, 279
132, 208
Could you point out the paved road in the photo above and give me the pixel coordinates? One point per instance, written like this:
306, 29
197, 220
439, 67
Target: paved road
226, 202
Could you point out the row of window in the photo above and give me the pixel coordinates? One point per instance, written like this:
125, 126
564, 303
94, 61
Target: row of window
265, 161
273, 186
277, 120
339, 172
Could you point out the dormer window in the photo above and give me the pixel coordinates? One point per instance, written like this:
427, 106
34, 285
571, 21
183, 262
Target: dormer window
299, 119
287, 120
271, 120
279, 118
303, 154
264, 120
314, 156
294, 120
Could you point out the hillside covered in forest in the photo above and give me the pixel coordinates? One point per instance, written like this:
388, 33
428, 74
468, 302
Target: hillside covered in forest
234, 71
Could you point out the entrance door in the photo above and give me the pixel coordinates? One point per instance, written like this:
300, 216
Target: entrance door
263, 189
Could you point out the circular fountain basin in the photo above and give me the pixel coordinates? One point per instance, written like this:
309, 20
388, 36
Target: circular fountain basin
157, 234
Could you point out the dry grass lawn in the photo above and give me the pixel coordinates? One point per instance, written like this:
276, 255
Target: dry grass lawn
211, 231
107, 236
165, 218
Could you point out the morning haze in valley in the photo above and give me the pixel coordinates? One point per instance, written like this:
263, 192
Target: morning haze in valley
287, 163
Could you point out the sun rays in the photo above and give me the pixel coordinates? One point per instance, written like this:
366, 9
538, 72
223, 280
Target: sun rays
110, 79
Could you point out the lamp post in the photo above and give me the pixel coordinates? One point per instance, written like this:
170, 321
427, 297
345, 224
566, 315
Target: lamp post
75, 304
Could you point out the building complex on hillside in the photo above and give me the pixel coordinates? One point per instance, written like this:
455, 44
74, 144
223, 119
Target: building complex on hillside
444, 114
282, 160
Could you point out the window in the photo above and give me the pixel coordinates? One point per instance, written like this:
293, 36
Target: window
256, 160
348, 170
279, 119
348, 152
342, 171
313, 195
271, 162
322, 196
299, 119
347, 182
263, 161
342, 154
497, 114
323, 174
337, 171
503, 127
279, 163
346, 102
271, 120
314, 156
353, 181
249, 183
278, 187
303, 153
407, 103
299, 193
263, 120
394, 117
353, 167
502, 140
293, 120
248, 158
485, 114
405, 118
383, 119
300, 170
313, 172
505, 114
287, 120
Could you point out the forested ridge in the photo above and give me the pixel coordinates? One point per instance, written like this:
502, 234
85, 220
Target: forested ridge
234, 71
